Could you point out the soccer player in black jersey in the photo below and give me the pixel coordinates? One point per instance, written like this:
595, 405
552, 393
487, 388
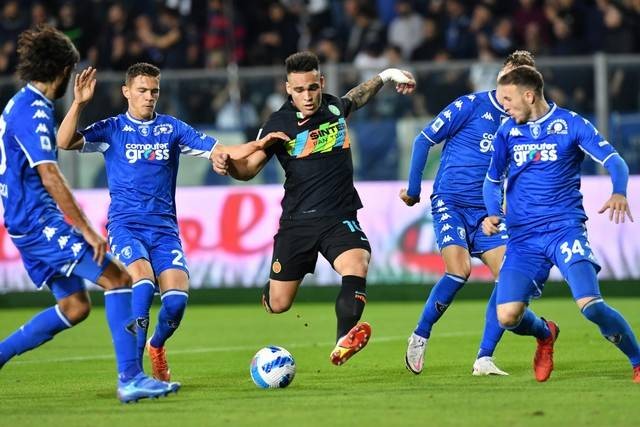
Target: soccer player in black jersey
320, 202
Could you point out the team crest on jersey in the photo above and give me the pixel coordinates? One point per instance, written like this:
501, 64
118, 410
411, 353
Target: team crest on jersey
144, 130
534, 128
558, 127
165, 128
462, 233
334, 110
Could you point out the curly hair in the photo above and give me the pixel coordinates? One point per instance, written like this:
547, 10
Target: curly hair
525, 76
520, 57
44, 53
141, 69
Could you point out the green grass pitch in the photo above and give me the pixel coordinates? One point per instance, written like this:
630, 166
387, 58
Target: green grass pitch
71, 380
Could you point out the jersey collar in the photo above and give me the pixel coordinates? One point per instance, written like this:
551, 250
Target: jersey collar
552, 108
140, 122
494, 101
40, 94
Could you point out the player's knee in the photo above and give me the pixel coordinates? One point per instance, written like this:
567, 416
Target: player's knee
76, 312
116, 277
279, 304
509, 318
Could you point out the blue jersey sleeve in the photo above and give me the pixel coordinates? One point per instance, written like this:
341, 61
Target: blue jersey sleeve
421, 146
97, 137
492, 188
450, 120
36, 137
591, 141
194, 143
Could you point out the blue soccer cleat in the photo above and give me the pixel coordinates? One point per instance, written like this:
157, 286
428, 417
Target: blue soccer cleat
143, 387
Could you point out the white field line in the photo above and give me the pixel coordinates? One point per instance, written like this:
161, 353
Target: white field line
230, 348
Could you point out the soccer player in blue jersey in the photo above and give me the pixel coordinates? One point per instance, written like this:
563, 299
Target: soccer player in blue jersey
54, 253
466, 126
141, 150
540, 150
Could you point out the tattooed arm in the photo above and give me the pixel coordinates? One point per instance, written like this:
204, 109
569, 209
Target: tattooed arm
361, 94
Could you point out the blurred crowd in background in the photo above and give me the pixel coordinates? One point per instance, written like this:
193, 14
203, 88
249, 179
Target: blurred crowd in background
178, 34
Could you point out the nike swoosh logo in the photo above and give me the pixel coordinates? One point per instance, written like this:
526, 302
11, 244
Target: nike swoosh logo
300, 123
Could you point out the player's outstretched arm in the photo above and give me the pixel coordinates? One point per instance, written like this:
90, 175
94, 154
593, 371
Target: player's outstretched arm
361, 94
68, 137
237, 152
55, 183
617, 205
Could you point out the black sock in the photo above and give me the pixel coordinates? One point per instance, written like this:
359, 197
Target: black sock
350, 303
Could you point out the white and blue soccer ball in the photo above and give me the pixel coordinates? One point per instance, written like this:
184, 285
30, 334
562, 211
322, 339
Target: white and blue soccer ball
272, 367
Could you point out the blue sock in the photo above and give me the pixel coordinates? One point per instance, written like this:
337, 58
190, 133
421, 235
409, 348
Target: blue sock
37, 331
174, 302
614, 328
117, 304
530, 324
439, 299
141, 299
492, 330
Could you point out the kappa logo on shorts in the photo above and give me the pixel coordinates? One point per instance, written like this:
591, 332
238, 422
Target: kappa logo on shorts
276, 267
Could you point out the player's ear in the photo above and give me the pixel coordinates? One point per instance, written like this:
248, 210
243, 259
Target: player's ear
321, 82
125, 91
288, 88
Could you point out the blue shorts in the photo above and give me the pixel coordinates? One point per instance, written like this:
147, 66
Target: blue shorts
462, 226
161, 246
59, 257
531, 253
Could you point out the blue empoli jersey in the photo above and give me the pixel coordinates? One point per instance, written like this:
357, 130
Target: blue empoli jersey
27, 139
542, 159
468, 126
141, 158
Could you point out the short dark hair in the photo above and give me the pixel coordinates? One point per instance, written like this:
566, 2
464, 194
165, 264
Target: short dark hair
44, 53
301, 62
526, 76
141, 69
520, 57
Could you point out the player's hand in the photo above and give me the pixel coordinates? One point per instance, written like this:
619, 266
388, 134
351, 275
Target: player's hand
97, 242
270, 139
618, 207
84, 85
490, 225
404, 80
407, 199
220, 162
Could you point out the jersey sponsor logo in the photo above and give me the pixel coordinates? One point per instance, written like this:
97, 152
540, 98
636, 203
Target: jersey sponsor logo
42, 128
144, 130
38, 103
486, 143
523, 153
558, 127
515, 132
158, 151
534, 128
335, 110
437, 124
162, 129
40, 114
301, 122
324, 139
128, 128
488, 116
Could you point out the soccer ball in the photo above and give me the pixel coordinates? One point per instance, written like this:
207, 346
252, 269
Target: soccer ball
272, 367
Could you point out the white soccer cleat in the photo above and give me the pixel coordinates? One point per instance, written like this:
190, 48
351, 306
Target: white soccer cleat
486, 366
414, 359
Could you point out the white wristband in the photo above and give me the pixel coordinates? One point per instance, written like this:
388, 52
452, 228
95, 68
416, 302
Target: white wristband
393, 74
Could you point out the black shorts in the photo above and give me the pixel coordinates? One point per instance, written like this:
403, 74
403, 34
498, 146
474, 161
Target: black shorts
297, 243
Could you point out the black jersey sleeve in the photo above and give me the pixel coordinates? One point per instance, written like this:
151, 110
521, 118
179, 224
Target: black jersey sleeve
276, 123
347, 106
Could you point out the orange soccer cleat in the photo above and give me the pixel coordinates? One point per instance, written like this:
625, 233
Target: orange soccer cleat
543, 359
159, 365
351, 343
636, 374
